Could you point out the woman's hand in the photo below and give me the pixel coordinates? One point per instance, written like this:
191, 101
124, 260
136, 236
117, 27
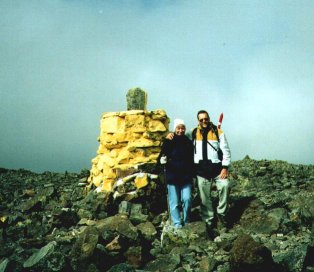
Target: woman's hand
170, 136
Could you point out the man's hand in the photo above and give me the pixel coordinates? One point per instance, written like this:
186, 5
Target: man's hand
224, 173
170, 136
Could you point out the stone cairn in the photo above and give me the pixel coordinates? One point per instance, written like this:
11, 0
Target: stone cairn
129, 144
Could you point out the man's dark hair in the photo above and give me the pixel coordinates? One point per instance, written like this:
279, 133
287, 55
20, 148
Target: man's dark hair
202, 111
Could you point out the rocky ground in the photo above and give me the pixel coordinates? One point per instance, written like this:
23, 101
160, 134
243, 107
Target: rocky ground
50, 222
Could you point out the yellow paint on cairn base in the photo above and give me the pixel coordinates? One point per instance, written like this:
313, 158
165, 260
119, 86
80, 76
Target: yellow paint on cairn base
127, 139
141, 181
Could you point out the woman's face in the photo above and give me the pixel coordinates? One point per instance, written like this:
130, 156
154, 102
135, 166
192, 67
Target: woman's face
180, 130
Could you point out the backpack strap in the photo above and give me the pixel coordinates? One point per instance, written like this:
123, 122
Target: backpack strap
216, 132
218, 150
194, 139
214, 128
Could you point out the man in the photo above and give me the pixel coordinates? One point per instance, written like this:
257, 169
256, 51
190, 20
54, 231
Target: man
208, 139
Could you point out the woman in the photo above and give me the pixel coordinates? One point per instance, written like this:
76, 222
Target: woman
177, 155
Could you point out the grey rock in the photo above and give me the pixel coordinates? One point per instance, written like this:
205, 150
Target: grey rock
3, 265
147, 230
122, 267
136, 214
83, 249
134, 256
294, 258
248, 255
272, 201
39, 255
125, 207
166, 263
119, 224
208, 263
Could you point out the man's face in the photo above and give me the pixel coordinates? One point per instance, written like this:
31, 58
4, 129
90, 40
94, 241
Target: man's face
203, 120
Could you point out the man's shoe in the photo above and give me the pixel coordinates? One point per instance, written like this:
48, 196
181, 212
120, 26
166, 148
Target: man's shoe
211, 232
222, 224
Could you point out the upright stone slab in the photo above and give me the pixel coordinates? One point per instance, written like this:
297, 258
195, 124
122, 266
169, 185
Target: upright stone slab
136, 99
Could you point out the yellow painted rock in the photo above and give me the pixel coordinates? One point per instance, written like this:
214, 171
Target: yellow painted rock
141, 181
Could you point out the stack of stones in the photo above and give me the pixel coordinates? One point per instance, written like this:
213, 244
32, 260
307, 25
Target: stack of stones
128, 140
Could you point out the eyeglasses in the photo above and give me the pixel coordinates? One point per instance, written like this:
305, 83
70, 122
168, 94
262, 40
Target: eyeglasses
203, 120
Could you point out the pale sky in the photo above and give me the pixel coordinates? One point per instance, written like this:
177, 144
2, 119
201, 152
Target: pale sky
65, 62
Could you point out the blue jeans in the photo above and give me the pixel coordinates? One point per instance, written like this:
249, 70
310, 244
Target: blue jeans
180, 196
